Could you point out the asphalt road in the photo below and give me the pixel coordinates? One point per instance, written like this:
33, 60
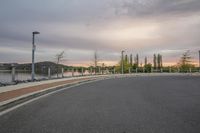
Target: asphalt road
127, 105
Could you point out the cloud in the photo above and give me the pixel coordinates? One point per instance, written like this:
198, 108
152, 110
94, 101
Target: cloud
108, 26
156, 8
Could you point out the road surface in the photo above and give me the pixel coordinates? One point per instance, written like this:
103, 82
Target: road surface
160, 104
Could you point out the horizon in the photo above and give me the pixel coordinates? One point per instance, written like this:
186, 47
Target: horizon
99, 64
80, 28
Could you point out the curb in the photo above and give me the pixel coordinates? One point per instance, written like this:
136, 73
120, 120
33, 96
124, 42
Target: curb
24, 99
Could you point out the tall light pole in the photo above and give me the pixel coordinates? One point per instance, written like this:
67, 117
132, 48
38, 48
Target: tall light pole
33, 54
199, 60
122, 61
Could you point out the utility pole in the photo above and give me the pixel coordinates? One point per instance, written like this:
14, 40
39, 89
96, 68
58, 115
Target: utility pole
33, 55
122, 61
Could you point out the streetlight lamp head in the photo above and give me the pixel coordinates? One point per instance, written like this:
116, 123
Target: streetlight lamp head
36, 32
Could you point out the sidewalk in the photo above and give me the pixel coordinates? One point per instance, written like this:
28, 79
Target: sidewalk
9, 94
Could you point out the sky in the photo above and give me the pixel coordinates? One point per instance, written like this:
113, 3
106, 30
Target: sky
81, 27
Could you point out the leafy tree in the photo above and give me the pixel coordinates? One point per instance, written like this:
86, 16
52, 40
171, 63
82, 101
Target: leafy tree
148, 67
134, 66
126, 65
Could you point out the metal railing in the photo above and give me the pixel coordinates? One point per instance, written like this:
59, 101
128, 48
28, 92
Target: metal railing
14, 76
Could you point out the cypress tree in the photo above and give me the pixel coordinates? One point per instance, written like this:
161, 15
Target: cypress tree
126, 58
131, 60
145, 61
154, 61
137, 60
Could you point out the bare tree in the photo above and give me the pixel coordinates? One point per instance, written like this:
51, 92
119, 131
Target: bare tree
186, 58
59, 57
185, 61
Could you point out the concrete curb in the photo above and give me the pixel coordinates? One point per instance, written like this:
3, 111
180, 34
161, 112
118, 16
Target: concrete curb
9, 105
16, 102
30, 84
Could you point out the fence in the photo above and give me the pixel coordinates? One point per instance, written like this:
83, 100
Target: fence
8, 76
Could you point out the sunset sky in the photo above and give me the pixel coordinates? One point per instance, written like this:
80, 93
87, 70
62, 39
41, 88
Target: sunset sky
80, 27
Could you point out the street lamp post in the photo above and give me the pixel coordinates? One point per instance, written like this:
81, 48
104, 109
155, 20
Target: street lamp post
122, 61
199, 60
33, 54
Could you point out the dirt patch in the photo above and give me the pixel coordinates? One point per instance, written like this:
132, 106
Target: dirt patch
17, 93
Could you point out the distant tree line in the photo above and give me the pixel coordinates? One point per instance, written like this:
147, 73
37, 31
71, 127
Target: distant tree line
130, 65
184, 65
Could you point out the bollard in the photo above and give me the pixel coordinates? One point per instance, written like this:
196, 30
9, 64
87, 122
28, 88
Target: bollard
90, 71
161, 70
77, 71
13, 74
49, 72
107, 71
190, 70
178, 70
136, 70
151, 70
62, 73
82, 71
72, 72
99, 70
